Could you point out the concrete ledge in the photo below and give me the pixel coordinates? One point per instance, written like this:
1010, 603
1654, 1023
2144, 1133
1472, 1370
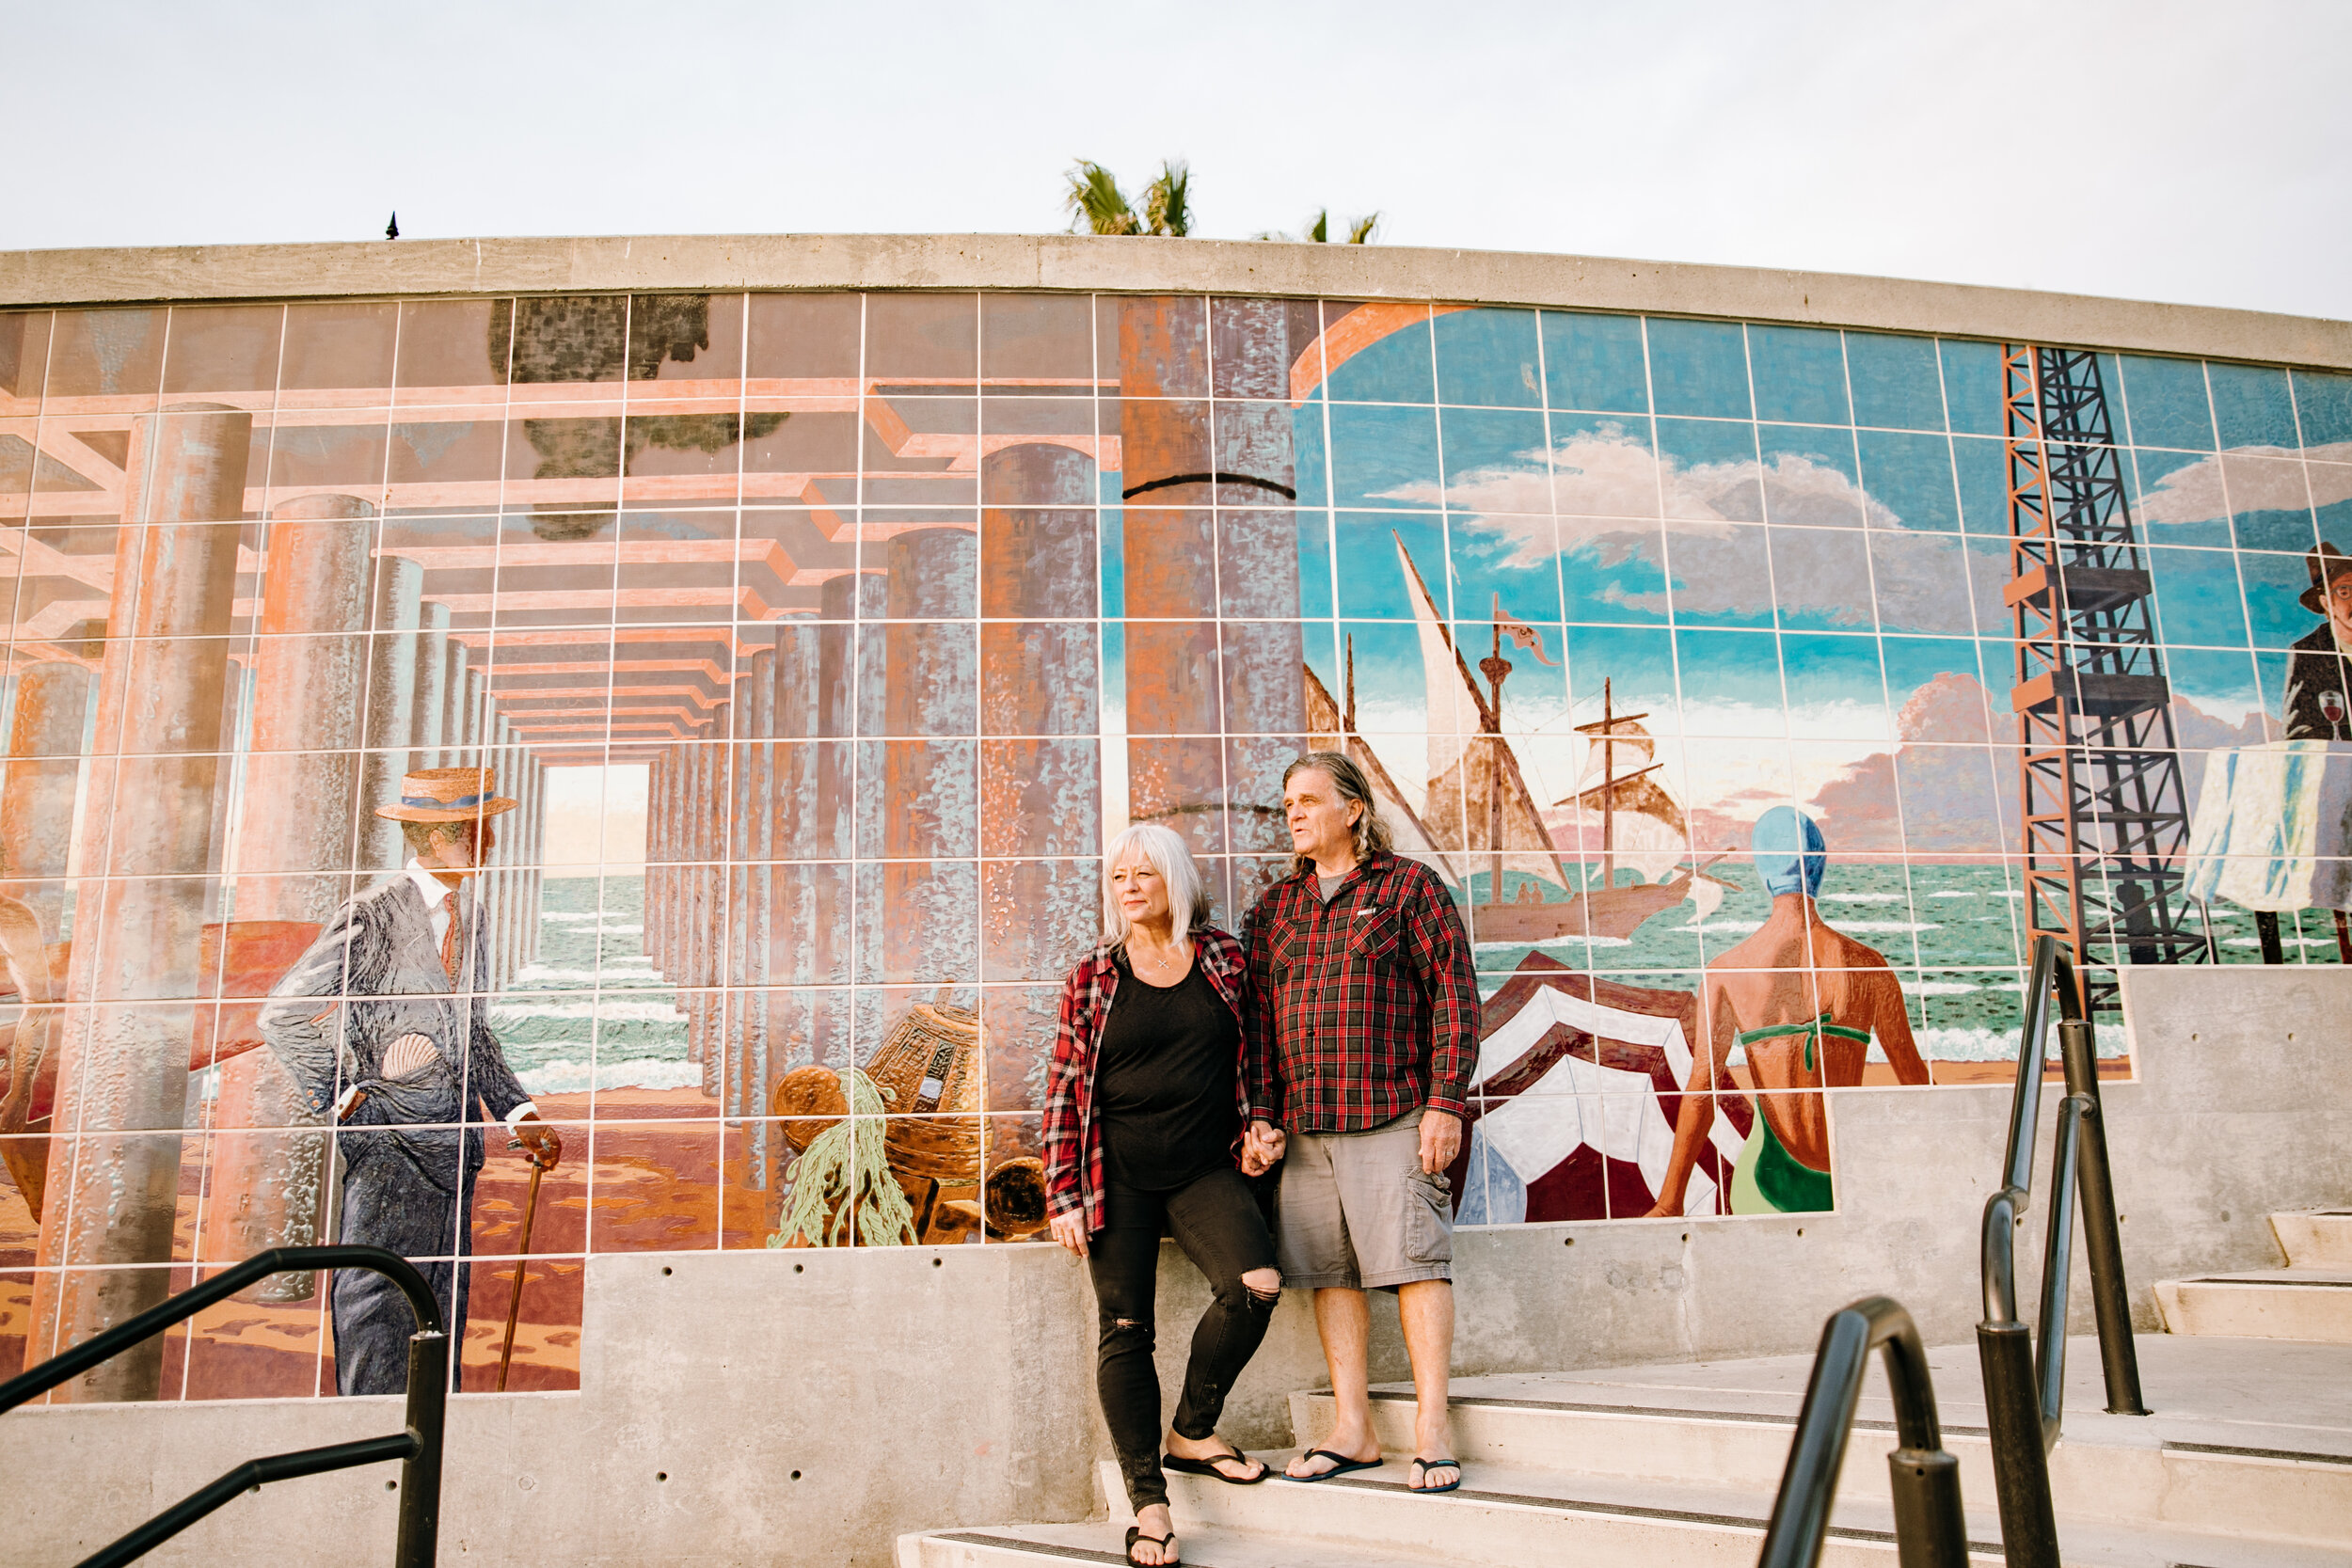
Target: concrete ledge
1088, 262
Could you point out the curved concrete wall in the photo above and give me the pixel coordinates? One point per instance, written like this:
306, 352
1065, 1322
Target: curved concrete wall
694, 264
821, 601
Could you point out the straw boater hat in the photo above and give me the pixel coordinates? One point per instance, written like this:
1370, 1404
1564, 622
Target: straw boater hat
447, 794
2325, 564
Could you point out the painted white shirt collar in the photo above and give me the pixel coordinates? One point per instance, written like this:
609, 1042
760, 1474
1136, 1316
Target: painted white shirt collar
436, 894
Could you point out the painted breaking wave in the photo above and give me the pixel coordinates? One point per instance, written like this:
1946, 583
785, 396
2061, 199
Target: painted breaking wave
592, 970
1960, 956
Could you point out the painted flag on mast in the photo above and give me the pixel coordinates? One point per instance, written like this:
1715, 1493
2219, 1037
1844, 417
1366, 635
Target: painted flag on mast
1524, 637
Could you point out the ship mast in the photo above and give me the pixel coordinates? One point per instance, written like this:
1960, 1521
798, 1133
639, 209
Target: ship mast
1607, 790
1608, 740
1494, 667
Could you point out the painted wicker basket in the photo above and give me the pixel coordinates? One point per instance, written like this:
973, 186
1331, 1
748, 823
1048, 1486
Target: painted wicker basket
928, 1070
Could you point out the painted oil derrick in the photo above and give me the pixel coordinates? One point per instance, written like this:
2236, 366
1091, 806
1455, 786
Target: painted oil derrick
2105, 816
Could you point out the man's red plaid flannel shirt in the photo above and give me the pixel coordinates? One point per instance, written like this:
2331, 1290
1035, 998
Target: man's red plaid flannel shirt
1072, 1137
1364, 1009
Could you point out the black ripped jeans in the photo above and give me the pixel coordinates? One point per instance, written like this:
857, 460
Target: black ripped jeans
1216, 1220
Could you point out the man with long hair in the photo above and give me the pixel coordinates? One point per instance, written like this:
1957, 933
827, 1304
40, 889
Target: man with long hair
1363, 1034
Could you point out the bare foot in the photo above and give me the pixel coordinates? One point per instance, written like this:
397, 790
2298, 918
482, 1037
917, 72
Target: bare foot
1435, 1474
1433, 1451
1155, 1538
1229, 1460
1359, 1447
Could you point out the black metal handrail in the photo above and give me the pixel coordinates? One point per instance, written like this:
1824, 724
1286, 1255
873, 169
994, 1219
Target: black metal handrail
1930, 1532
419, 1447
2024, 1374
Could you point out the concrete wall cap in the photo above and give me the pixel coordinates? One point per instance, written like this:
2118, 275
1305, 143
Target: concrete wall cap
1088, 263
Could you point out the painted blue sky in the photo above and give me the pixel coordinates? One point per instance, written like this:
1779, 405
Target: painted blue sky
1775, 535
1720, 499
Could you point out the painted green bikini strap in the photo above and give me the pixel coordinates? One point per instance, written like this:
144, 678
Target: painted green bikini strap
1811, 1028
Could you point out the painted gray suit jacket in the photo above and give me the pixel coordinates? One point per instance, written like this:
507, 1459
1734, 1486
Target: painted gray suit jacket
372, 976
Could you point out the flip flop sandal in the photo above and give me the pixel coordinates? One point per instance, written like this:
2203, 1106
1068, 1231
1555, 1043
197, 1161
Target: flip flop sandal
1341, 1466
1134, 1534
1420, 1469
1209, 1468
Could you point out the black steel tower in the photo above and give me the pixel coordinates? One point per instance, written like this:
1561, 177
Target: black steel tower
2106, 818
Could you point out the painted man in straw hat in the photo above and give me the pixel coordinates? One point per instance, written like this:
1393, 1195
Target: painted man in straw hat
2319, 676
385, 1021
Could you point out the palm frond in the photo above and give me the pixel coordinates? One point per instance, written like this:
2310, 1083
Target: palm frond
1360, 233
1318, 231
1166, 208
1094, 200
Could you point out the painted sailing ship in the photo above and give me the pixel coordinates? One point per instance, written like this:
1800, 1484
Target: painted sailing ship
1580, 1078
1478, 815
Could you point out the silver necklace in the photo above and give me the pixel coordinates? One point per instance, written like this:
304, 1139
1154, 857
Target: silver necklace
1168, 961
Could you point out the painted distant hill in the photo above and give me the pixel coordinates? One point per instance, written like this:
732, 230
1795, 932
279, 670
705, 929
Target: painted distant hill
1950, 788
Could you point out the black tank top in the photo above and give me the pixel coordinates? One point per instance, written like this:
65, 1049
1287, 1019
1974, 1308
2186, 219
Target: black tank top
1164, 1082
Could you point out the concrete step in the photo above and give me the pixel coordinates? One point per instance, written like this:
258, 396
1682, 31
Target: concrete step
1007, 1545
1508, 1514
2314, 1305
1505, 1517
2246, 1460
2315, 1238
2107, 1470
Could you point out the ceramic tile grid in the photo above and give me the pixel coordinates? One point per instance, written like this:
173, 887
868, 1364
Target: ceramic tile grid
823, 640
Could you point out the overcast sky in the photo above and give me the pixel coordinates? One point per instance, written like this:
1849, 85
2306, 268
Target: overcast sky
2200, 154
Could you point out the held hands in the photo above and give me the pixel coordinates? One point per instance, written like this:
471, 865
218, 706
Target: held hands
1441, 1140
1070, 1230
1260, 1148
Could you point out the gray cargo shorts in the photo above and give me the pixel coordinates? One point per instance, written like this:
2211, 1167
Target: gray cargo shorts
1357, 1211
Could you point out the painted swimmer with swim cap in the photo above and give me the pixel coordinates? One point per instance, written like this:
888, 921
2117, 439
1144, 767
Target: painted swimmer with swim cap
1803, 1001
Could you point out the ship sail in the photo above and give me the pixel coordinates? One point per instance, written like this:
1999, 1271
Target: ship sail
1477, 802
1648, 832
1331, 730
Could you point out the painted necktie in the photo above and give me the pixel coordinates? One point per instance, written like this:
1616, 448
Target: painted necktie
452, 938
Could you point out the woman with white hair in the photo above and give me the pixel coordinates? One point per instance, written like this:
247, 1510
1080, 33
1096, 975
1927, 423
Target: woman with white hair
1143, 1118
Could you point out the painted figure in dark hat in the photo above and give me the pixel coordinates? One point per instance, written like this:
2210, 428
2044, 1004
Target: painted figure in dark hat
2319, 676
385, 1023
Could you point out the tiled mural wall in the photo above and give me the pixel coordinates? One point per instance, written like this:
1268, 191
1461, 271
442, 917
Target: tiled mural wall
814, 643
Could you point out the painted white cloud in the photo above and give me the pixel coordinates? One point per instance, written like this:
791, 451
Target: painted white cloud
1607, 491
2251, 478
1597, 482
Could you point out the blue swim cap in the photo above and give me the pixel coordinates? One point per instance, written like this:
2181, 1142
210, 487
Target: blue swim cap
1790, 852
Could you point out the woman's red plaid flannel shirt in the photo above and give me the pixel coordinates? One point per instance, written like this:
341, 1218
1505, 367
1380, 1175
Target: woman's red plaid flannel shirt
1074, 1139
1364, 1009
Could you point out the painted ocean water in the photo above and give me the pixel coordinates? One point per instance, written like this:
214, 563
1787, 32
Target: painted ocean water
590, 1011
593, 1011
1953, 933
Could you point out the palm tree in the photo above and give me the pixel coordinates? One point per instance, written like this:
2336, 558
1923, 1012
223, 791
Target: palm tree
1098, 206
1095, 199
1165, 210
1317, 231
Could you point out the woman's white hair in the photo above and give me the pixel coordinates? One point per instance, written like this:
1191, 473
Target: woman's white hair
1169, 855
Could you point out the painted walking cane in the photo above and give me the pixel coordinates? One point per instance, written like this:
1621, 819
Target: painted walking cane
522, 1253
